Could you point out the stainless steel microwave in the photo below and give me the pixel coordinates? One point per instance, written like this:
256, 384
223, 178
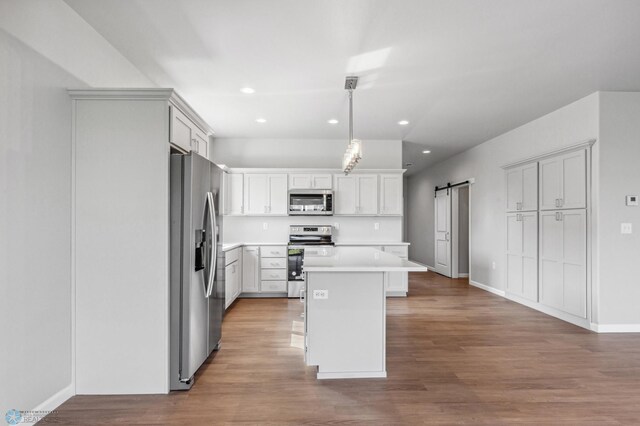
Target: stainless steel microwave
311, 202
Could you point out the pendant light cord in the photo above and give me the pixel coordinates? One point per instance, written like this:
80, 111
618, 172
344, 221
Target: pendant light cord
350, 115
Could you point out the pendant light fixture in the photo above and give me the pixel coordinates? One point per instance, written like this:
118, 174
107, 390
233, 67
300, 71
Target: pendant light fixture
354, 149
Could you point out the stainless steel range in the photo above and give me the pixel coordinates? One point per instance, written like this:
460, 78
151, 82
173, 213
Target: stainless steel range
304, 238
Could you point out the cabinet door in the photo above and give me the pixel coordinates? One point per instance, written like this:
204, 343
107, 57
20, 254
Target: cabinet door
574, 180
250, 269
300, 181
344, 194
321, 181
233, 184
256, 194
397, 282
367, 195
201, 143
522, 254
391, 194
180, 133
277, 194
563, 181
522, 188
563, 282
238, 276
228, 285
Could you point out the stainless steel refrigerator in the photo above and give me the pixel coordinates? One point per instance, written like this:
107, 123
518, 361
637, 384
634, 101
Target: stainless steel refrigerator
197, 274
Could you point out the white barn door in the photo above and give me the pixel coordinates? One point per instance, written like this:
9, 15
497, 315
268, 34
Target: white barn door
443, 232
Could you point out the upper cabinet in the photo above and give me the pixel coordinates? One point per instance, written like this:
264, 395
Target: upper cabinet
310, 181
563, 181
391, 198
185, 134
522, 188
356, 194
265, 194
233, 194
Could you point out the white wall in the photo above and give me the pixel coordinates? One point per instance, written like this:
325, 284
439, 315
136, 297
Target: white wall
463, 230
315, 153
44, 49
350, 229
569, 125
619, 285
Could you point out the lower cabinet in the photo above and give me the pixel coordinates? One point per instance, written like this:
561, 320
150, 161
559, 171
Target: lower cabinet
264, 270
251, 269
233, 273
563, 260
397, 283
522, 255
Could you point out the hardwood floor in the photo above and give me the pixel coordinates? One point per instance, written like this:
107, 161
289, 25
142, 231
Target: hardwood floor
455, 354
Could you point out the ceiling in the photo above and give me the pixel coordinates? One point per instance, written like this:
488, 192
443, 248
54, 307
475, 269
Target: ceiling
460, 71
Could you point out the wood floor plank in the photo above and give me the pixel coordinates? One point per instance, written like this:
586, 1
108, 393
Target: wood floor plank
455, 355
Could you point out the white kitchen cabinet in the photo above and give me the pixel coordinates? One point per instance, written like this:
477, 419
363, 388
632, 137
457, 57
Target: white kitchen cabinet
265, 194
310, 181
522, 255
233, 274
356, 194
563, 256
250, 269
522, 188
391, 199
233, 194
185, 134
563, 181
397, 283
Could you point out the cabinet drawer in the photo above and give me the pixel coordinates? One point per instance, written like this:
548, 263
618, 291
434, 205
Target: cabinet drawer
400, 251
273, 286
231, 256
273, 274
274, 263
273, 251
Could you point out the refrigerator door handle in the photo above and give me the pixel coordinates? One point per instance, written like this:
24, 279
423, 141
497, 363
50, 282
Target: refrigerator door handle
214, 243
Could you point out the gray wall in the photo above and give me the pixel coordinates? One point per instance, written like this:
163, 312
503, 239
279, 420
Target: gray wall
293, 153
567, 126
619, 282
463, 230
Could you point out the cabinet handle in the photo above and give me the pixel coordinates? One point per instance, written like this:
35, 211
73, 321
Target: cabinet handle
241, 208
447, 236
518, 205
559, 216
561, 201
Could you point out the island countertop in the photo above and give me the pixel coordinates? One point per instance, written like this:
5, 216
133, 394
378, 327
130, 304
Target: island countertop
357, 259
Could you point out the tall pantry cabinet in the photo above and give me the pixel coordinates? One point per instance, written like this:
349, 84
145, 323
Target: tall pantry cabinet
546, 233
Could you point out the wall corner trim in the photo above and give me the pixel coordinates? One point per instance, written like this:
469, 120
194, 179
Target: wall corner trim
56, 400
615, 328
485, 287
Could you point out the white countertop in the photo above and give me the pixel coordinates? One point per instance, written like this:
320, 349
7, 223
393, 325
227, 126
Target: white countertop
357, 259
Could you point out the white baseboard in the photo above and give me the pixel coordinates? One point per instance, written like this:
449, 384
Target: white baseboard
487, 288
431, 268
463, 275
615, 328
56, 399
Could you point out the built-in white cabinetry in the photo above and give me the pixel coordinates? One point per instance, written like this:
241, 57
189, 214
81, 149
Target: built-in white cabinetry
563, 181
397, 283
522, 254
310, 181
250, 269
265, 194
546, 245
233, 194
185, 134
233, 275
522, 188
273, 269
356, 194
391, 199
563, 255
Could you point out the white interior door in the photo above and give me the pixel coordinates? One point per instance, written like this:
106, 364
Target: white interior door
443, 232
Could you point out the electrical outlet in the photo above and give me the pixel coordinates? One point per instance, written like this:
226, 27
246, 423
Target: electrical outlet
336, 226
376, 226
320, 294
493, 265
626, 228
265, 226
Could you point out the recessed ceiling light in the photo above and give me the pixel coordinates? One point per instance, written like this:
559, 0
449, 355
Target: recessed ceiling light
332, 121
247, 90
403, 122
426, 151
261, 120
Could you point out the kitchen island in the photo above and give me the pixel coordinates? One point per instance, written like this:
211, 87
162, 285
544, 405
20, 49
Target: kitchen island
345, 310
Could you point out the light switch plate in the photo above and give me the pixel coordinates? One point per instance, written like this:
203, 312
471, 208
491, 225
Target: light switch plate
320, 294
626, 228
632, 200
